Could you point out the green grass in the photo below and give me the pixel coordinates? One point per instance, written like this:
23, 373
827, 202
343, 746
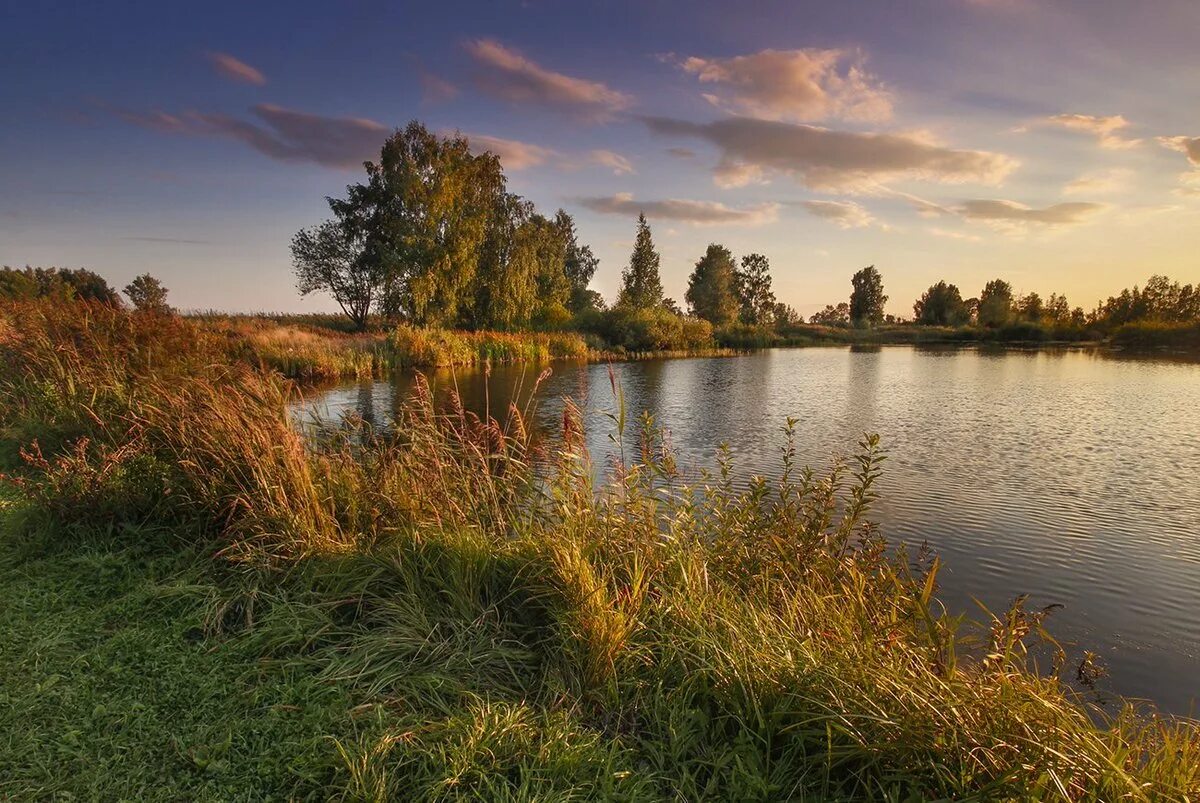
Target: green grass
113, 690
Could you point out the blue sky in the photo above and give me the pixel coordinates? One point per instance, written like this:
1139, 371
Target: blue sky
1053, 143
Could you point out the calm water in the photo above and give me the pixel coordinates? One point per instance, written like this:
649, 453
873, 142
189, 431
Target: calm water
1070, 476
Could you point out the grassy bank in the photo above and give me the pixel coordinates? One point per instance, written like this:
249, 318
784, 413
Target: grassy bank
451, 626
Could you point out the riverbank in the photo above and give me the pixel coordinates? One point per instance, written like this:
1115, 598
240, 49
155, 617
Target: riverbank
480, 634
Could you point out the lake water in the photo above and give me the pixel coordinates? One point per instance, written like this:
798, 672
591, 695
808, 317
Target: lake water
1071, 476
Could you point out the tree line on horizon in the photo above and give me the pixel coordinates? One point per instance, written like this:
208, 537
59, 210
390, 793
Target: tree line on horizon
433, 238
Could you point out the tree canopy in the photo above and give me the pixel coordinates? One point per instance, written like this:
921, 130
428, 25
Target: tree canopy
941, 305
147, 294
433, 237
867, 298
641, 285
754, 290
712, 287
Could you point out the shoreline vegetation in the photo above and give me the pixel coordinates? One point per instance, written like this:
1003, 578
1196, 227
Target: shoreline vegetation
201, 603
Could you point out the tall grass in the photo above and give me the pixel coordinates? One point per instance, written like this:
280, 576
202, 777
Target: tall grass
531, 635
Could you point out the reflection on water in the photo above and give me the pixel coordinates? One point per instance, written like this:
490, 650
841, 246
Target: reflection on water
1066, 475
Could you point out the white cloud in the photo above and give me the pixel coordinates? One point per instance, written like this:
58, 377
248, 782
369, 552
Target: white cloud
509, 75
1107, 130
796, 85
846, 214
1099, 181
697, 213
951, 234
826, 159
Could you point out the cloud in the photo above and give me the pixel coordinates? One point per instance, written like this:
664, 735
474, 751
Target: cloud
682, 153
846, 214
618, 163
434, 88
283, 134
173, 240
796, 85
1099, 181
1189, 146
1105, 129
698, 213
953, 235
235, 69
827, 159
1009, 213
514, 155
509, 75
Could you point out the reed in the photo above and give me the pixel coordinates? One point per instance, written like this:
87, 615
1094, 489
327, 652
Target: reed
525, 633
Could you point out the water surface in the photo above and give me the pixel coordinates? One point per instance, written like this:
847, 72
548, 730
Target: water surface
1071, 476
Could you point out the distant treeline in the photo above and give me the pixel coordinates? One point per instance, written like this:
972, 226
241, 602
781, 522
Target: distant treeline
433, 238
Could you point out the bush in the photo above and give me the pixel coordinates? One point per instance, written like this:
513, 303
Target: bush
645, 330
1157, 335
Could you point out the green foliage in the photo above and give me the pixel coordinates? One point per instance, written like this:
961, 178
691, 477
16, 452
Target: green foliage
641, 286
56, 283
712, 287
753, 281
1161, 300
832, 316
658, 329
867, 298
333, 258
148, 295
995, 303
941, 305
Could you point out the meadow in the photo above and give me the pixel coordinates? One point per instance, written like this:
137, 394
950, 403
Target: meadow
199, 602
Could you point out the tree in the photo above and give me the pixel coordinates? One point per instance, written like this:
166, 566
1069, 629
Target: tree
424, 212
832, 316
147, 294
641, 286
1030, 308
333, 258
995, 303
941, 305
867, 298
711, 292
754, 290
579, 265
63, 283
784, 315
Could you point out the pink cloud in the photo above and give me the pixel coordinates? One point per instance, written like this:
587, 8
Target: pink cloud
235, 69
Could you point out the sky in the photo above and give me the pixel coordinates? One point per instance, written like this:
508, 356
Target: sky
1051, 143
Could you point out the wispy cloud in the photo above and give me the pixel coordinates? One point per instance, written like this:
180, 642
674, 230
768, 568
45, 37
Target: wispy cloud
509, 75
796, 85
697, 213
1099, 182
434, 88
614, 161
514, 154
173, 240
846, 214
283, 134
1189, 146
1108, 131
235, 69
1009, 213
827, 159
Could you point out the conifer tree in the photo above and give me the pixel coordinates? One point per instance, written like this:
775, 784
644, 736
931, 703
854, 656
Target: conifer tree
641, 286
